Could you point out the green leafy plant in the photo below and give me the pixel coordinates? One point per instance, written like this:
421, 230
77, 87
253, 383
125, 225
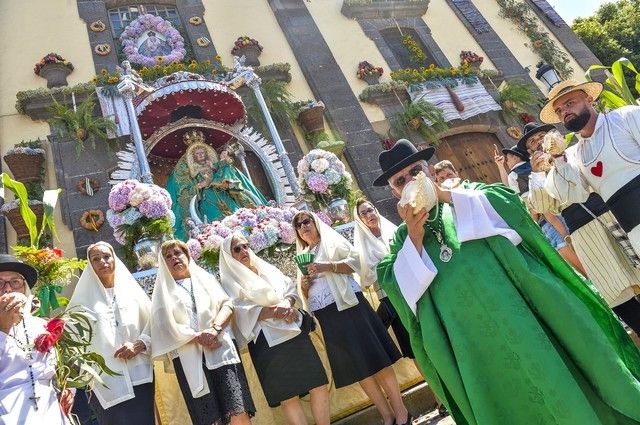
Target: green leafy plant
616, 91
81, 123
517, 97
279, 102
526, 21
25, 97
413, 119
370, 92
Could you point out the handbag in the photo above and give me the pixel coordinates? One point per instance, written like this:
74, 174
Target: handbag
620, 236
308, 324
386, 313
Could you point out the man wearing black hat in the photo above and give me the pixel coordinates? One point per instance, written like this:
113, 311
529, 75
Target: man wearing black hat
516, 160
493, 311
27, 395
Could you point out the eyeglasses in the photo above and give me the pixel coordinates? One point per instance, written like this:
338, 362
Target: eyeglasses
367, 212
400, 181
15, 283
239, 248
304, 222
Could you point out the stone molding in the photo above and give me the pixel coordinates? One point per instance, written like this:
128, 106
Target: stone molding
388, 9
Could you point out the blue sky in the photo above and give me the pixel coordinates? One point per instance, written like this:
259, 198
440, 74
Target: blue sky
571, 9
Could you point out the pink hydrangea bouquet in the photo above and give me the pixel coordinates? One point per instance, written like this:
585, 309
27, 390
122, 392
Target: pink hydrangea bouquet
323, 177
138, 210
265, 228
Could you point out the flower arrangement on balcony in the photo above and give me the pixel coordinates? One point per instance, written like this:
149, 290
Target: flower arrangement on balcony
416, 53
449, 77
265, 227
249, 48
519, 99
54, 68
526, 21
369, 73
323, 178
310, 115
139, 210
26, 161
149, 23
244, 41
471, 58
413, 119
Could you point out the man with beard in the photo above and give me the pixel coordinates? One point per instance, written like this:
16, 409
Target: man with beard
606, 158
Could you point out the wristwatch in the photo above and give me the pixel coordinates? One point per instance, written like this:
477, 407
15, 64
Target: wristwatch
216, 328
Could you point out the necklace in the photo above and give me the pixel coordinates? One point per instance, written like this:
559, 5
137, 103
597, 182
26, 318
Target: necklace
445, 252
28, 349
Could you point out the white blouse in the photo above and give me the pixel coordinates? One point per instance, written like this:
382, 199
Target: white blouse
320, 294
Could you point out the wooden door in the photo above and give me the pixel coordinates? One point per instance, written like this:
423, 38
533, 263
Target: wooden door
472, 155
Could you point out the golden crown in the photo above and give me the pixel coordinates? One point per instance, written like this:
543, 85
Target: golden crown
193, 136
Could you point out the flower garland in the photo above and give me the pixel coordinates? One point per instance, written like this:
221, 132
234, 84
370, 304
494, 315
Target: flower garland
439, 76
417, 55
265, 227
541, 43
147, 22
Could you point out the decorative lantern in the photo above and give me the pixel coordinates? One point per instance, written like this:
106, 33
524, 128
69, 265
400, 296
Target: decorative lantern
547, 74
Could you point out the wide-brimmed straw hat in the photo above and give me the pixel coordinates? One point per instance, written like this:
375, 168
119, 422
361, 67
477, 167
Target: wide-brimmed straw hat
402, 154
9, 263
591, 88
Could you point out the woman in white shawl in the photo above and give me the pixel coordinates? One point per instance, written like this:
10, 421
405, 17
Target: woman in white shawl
277, 333
27, 395
120, 311
358, 345
190, 313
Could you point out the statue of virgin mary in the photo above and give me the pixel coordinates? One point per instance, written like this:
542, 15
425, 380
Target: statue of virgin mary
219, 187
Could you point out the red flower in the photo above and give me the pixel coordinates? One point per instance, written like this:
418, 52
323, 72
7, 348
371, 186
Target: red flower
55, 328
44, 342
57, 251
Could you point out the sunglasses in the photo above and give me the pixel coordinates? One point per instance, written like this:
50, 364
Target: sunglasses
15, 283
242, 247
400, 181
304, 222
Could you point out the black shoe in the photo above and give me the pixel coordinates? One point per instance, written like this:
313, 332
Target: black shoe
442, 410
409, 421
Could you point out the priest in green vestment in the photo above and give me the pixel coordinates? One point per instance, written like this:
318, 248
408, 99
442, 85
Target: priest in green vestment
220, 187
504, 330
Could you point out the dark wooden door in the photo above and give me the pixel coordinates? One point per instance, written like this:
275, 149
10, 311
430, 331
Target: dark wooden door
472, 155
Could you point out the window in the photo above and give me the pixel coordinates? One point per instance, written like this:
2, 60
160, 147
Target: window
120, 17
393, 38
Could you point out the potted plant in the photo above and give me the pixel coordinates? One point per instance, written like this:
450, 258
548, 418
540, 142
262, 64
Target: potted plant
310, 115
249, 48
517, 98
141, 217
54, 68
369, 73
471, 58
413, 119
26, 161
80, 123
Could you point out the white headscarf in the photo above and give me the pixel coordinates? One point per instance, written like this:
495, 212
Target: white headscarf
371, 248
250, 292
333, 248
171, 327
133, 311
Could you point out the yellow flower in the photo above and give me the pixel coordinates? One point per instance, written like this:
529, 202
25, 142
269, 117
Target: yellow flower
113, 80
392, 74
218, 58
207, 62
160, 59
95, 80
180, 66
192, 66
432, 66
103, 71
193, 61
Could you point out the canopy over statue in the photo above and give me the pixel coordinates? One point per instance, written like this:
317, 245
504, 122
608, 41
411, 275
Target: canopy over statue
219, 187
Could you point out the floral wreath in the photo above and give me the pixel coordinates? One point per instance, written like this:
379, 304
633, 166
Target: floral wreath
92, 220
146, 23
82, 187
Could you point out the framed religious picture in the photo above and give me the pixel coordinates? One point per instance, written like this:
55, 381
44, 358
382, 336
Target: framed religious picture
150, 40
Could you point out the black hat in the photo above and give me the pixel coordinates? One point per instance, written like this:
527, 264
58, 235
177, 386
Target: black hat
517, 151
529, 130
9, 263
399, 156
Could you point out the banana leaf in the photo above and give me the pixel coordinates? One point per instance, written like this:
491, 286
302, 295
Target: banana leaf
616, 92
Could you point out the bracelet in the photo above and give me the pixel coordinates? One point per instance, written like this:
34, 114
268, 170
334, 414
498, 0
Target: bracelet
334, 267
568, 239
216, 328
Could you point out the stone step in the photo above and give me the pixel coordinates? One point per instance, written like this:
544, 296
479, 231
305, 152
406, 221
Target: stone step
419, 401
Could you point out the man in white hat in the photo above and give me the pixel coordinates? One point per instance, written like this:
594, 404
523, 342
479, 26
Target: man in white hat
504, 330
606, 158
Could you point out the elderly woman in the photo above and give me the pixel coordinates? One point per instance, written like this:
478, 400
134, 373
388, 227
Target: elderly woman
358, 345
27, 395
190, 313
287, 363
121, 310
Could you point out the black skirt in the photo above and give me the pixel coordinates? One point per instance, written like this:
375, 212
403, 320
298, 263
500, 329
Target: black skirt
357, 343
402, 336
287, 370
138, 410
228, 396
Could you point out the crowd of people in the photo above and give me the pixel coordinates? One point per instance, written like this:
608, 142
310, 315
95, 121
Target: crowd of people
503, 294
